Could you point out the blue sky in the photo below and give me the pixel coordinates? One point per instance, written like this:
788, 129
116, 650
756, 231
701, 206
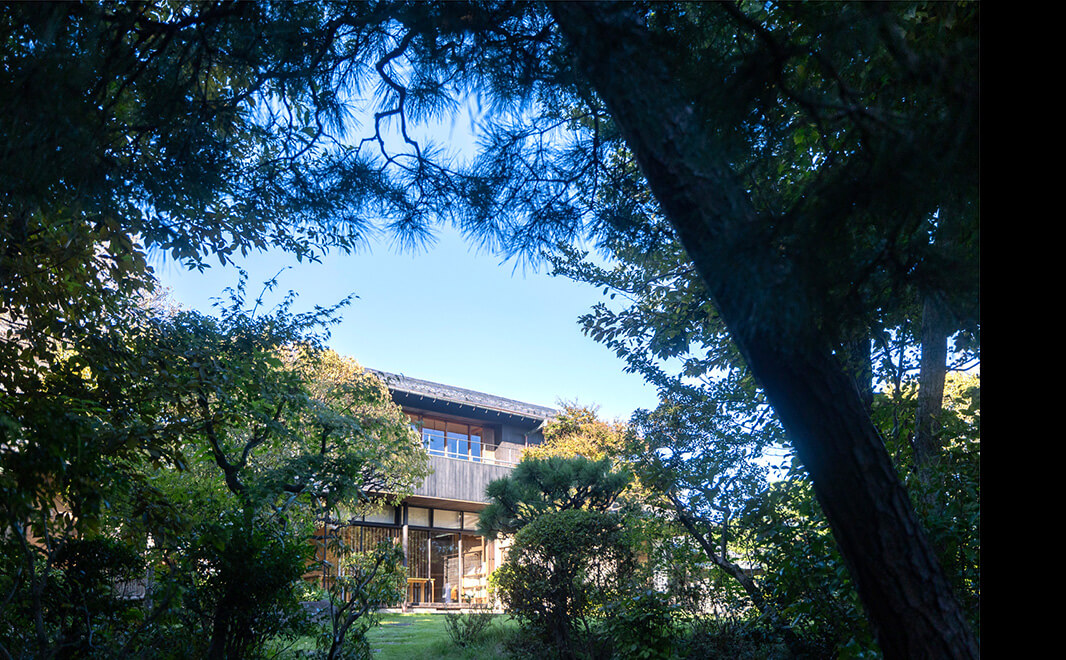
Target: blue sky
446, 314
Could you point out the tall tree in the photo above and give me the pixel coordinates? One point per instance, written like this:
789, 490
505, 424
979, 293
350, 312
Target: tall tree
769, 296
540, 486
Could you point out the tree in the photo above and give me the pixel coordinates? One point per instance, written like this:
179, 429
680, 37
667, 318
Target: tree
216, 459
562, 566
578, 431
814, 161
770, 300
286, 431
707, 441
571, 553
539, 486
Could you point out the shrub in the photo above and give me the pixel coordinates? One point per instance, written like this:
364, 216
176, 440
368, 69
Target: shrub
642, 625
62, 598
367, 582
239, 578
732, 639
466, 628
562, 567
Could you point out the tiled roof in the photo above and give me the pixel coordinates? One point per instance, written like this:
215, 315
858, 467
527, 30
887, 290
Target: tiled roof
401, 383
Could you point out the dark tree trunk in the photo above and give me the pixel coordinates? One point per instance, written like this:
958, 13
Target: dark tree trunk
932, 371
910, 603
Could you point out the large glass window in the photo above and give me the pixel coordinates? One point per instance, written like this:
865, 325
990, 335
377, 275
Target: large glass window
452, 439
446, 519
386, 514
475, 585
444, 567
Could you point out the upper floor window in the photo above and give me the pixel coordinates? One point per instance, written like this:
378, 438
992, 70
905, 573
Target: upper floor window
452, 439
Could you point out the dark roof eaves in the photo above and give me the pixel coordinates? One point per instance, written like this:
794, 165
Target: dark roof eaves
462, 396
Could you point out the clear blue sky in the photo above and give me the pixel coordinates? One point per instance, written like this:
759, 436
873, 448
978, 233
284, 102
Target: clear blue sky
448, 315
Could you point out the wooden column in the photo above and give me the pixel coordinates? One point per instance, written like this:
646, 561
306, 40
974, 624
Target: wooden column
459, 599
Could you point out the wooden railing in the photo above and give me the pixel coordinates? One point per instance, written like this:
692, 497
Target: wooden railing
488, 454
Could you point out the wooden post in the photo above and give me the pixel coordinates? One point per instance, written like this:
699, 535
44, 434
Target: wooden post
406, 563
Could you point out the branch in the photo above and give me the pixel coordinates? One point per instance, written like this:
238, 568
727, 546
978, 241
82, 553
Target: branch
228, 469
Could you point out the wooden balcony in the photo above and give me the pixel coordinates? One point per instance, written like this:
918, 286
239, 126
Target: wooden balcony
461, 479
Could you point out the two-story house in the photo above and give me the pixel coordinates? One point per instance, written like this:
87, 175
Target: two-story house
472, 438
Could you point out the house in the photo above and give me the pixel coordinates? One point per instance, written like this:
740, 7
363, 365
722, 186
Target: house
472, 438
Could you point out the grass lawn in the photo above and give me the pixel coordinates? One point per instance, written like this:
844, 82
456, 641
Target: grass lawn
423, 636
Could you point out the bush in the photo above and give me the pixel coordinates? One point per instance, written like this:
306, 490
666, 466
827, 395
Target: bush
562, 567
62, 599
238, 581
732, 639
466, 628
642, 626
367, 582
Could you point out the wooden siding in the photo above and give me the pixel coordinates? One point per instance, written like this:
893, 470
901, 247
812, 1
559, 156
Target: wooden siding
454, 479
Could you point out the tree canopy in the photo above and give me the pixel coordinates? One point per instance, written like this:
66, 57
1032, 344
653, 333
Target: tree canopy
551, 484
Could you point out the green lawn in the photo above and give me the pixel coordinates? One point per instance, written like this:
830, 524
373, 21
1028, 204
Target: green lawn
423, 636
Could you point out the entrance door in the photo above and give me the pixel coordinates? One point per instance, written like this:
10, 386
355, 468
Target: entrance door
444, 566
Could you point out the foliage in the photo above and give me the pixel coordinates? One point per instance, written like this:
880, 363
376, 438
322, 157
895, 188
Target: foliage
71, 428
365, 583
578, 431
538, 486
195, 130
561, 568
226, 442
948, 495
642, 625
727, 638
80, 605
280, 428
466, 628
237, 581
571, 553
803, 572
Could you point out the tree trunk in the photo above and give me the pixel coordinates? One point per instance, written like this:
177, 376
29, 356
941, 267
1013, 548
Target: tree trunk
932, 370
910, 603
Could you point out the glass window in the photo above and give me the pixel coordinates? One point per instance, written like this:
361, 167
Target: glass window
418, 555
417, 516
451, 439
475, 445
446, 519
444, 567
457, 447
470, 520
372, 536
384, 514
433, 440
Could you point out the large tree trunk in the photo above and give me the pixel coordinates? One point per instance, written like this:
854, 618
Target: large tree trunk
910, 603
